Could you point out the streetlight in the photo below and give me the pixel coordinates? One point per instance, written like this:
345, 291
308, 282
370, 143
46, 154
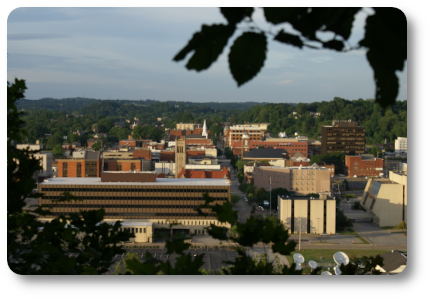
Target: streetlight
318, 225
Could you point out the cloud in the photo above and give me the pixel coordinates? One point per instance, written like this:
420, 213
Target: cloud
27, 36
286, 82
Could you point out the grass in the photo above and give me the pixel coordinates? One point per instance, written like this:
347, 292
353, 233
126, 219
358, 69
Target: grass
327, 254
363, 241
350, 232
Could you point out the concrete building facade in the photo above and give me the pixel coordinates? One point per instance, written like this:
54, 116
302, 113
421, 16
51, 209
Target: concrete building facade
387, 201
401, 145
301, 180
139, 198
308, 215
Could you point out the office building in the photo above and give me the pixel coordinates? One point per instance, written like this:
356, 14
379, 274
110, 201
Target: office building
343, 136
401, 145
308, 215
139, 198
235, 133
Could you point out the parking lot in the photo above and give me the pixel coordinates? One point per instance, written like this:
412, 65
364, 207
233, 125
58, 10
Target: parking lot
213, 257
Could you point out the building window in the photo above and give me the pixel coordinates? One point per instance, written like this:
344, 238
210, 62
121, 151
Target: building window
119, 167
64, 169
133, 166
78, 170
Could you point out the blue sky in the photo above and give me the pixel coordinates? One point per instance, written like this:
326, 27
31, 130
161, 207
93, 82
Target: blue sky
126, 53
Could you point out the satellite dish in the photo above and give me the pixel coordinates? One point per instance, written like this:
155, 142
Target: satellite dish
341, 258
298, 266
313, 264
326, 273
298, 258
337, 271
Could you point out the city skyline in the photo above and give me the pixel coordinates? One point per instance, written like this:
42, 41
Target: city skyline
127, 53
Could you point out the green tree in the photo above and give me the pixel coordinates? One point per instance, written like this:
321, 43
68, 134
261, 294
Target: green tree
384, 40
96, 146
240, 176
54, 141
58, 151
121, 267
342, 221
79, 244
235, 199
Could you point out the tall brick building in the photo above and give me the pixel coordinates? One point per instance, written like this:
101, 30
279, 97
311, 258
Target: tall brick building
343, 136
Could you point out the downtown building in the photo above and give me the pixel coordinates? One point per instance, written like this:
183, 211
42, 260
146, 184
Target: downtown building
343, 136
308, 214
139, 200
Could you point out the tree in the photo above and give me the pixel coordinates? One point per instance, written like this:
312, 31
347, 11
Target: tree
121, 269
385, 41
342, 221
235, 199
240, 176
36, 247
96, 146
53, 141
58, 151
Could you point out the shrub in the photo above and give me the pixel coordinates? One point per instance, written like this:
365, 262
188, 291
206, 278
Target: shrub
402, 226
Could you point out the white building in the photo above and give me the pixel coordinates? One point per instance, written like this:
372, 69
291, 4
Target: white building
401, 145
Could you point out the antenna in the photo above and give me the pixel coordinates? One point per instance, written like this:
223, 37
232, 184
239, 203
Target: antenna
341, 258
337, 270
313, 264
326, 273
298, 258
298, 266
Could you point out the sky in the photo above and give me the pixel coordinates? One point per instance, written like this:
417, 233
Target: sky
127, 53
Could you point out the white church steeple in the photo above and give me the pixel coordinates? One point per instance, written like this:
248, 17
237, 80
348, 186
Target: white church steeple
204, 133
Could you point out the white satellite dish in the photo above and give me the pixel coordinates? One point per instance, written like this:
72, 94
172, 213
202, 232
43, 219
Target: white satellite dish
313, 264
298, 266
337, 270
298, 258
326, 273
341, 258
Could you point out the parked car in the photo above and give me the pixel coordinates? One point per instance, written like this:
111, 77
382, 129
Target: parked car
341, 175
324, 234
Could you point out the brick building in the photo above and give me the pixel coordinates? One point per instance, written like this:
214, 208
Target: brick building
235, 133
343, 136
87, 166
364, 165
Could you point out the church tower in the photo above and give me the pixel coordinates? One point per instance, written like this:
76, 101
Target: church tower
245, 143
180, 156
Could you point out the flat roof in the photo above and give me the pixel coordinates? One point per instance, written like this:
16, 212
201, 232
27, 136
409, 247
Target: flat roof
159, 182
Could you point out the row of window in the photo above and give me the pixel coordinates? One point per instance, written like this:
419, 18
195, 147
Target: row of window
118, 206
138, 198
146, 215
82, 189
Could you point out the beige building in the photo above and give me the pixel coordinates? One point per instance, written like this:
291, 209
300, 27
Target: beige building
45, 159
187, 126
302, 180
308, 215
139, 200
387, 200
235, 133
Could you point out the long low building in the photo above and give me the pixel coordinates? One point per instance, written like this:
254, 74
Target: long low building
308, 215
139, 197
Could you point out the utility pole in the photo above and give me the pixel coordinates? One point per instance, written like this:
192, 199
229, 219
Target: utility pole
300, 232
270, 197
